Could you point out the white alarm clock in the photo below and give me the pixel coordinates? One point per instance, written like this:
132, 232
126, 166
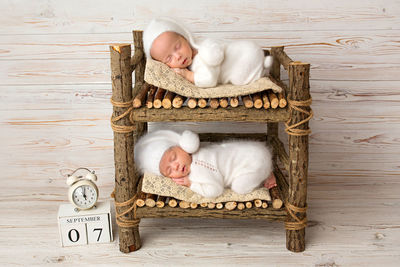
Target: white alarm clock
83, 192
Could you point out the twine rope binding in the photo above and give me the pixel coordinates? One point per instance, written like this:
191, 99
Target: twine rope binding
296, 105
120, 219
292, 210
297, 224
122, 128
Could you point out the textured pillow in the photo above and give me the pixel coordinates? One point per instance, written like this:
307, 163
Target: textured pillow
160, 75
163, 186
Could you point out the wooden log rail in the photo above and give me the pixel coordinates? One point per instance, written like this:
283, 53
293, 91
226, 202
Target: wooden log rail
208, 114
221, 213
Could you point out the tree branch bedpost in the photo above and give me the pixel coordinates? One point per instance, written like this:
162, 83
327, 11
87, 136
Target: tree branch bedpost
275, 72
141, 127
296, 205
126, 177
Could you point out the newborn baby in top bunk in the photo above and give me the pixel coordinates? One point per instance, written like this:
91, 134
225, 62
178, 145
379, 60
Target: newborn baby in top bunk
239, 165
206, 63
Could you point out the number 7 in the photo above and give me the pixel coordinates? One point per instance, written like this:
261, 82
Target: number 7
98, 229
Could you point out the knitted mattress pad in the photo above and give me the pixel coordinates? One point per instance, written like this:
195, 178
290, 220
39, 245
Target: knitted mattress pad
163, 186
160, 75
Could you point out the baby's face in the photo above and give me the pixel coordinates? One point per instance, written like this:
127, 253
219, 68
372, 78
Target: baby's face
175, 163
172, 49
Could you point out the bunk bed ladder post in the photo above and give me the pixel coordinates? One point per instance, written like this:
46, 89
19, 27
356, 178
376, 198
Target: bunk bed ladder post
125, 174
296, 203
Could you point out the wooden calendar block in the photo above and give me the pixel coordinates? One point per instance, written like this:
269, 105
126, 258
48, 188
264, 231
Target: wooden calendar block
80, 227
97, 231
73, 234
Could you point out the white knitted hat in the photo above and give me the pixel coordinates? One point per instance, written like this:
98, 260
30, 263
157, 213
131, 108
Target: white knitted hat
151, 147
160, 25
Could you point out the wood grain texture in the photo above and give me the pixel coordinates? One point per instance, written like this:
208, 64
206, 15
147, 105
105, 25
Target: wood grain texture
54, 116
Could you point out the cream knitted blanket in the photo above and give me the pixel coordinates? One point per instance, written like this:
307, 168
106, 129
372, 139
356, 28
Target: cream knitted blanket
163, 186
160, 75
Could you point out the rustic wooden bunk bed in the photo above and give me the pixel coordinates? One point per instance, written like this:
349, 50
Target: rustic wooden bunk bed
134, 108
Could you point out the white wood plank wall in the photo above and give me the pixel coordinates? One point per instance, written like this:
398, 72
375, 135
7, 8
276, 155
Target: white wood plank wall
54, 116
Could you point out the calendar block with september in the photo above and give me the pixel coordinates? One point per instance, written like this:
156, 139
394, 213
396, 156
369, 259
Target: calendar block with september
81, 227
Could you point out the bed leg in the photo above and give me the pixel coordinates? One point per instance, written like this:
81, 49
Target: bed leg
298, 155
126, 177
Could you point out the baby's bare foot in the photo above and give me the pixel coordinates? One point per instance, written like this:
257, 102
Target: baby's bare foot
270, 182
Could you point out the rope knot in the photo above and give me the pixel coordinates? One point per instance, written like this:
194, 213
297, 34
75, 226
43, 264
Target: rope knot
122, 128
296, 105
131, 205
297, 224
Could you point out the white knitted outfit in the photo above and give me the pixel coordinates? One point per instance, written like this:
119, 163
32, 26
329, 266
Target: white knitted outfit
239, 165
238, 63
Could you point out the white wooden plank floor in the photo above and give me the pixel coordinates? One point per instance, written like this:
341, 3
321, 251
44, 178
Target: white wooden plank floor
354, 221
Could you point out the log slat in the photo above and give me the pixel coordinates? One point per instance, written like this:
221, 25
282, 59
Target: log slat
192, 103
276, 198
150, 200
234, 101
273, 99
257, 203
211, 205
265, 100
167, 101
247, 101
241, 206
158, 98
214, 103
231, 205
150, 96
184, 204
141, 96
202, 102
178, 101
223, 102
257, 100
172, 202
141, 198
282, 100
160, 203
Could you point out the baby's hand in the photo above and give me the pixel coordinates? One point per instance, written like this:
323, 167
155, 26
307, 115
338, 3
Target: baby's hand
185, 73
182, 181
179, 71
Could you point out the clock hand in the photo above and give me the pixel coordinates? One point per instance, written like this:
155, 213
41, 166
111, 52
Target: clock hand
84, 192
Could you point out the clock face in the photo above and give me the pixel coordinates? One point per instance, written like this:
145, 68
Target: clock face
84, 196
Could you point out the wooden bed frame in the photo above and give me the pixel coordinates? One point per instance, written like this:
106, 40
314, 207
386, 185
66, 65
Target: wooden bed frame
129, 124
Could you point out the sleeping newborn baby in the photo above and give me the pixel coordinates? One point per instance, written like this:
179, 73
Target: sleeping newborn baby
205, 64
239, 165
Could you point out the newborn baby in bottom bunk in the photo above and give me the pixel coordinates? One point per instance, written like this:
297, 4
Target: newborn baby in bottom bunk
239, 165
208, 63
